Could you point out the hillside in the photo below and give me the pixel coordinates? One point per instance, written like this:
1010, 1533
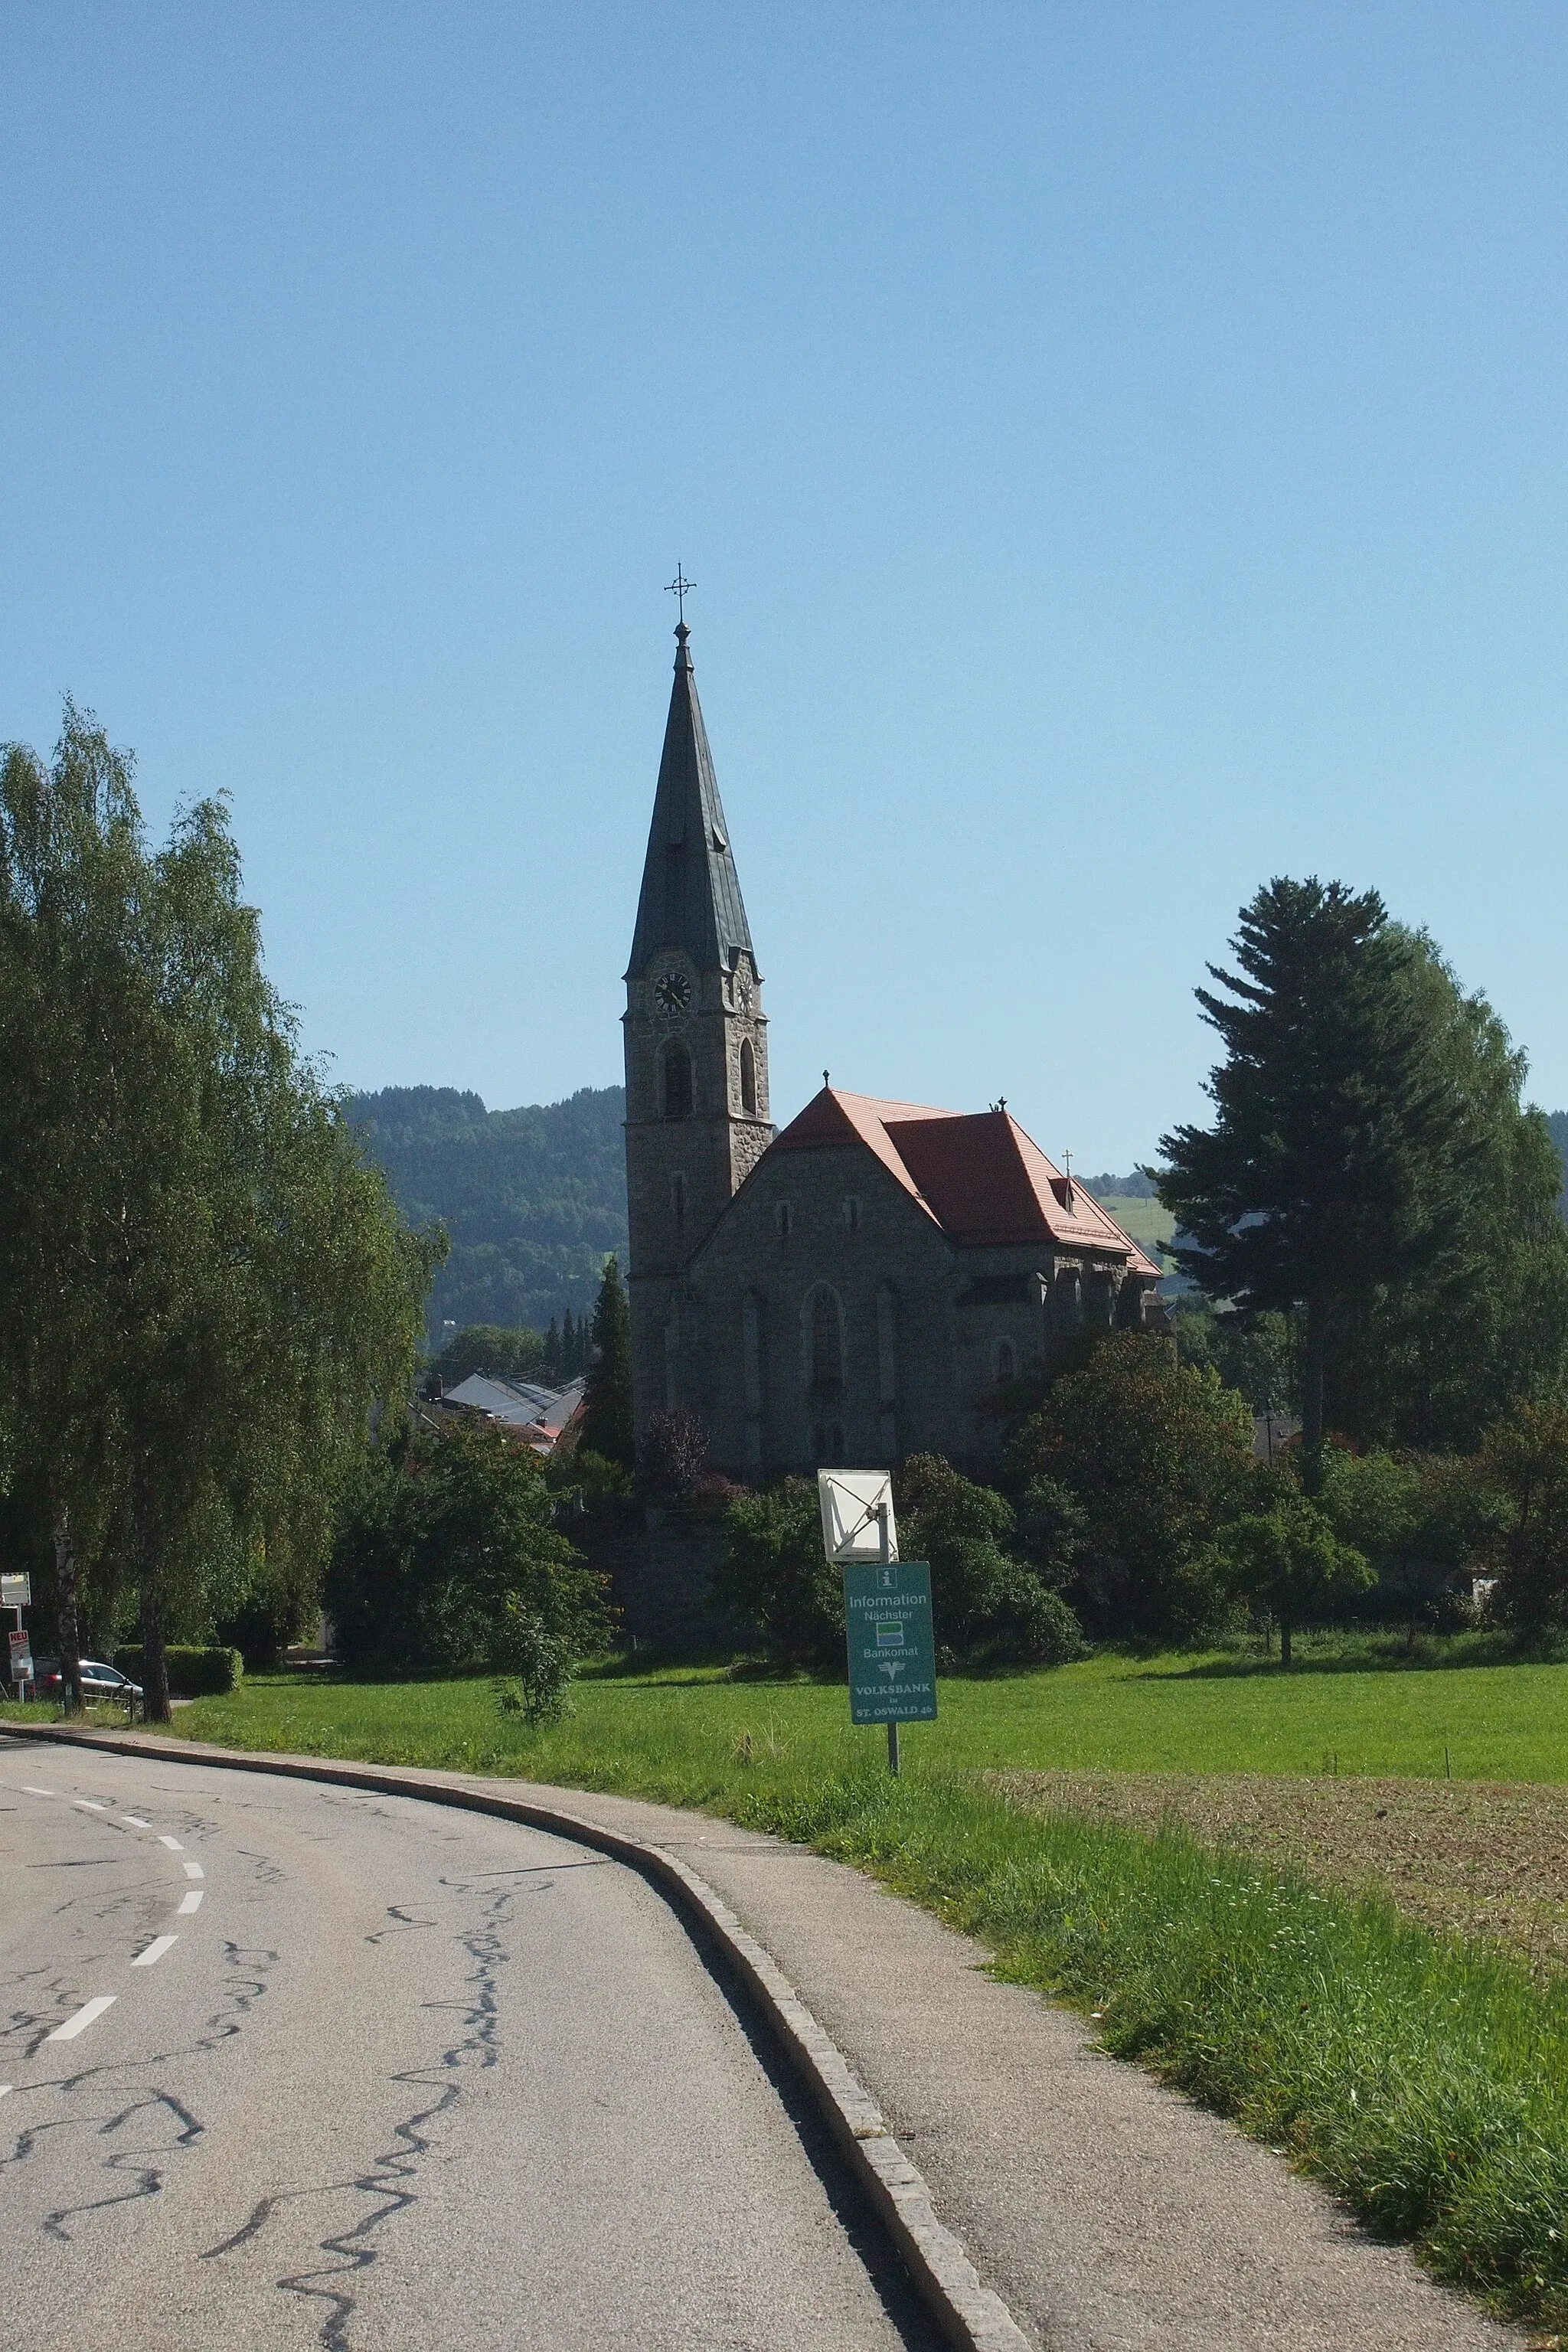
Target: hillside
533, 1199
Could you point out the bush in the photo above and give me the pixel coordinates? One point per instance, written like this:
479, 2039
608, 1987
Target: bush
1159, 1457
539, 1664
194, 1672
671, 1456
775, 1580
1422, 1521
988, 1605
446, 1549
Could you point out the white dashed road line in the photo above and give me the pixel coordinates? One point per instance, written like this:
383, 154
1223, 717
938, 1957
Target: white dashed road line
83, 2018
189, 1903
172, 1843
28, 1789
90, 1805
135, 1821
194, 1870
154, 1951
4, 2088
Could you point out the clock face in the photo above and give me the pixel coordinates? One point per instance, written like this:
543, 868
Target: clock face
672, 992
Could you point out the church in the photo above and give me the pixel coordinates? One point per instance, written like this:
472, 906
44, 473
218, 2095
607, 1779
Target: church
856, 1288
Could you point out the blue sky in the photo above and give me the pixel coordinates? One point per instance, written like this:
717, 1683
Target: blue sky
1121, 450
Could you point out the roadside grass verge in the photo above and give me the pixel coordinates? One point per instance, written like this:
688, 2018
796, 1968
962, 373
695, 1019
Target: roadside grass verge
1421, 2078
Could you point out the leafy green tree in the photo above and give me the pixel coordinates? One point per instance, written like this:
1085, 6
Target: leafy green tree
499, 1352
70, 862
448, 1558
1422, 1521
989, 1606
607, 1403
1158, 1457
187, 1229
775, 1581
1289, 1560
1256, 1355
1523, 1464
1330, 1172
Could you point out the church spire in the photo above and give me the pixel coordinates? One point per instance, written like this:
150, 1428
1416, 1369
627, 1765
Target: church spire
691, 891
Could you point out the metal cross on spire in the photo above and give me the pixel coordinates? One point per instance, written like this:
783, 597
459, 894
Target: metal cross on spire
681, 587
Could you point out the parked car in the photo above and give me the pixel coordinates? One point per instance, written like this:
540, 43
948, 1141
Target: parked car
98, 1681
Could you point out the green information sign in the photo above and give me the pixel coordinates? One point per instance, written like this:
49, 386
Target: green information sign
893, 1646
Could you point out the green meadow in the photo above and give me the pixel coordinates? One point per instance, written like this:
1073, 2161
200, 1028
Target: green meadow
676, 1731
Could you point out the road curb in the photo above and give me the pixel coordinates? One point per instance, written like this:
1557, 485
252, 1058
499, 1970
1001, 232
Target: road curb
971, 2315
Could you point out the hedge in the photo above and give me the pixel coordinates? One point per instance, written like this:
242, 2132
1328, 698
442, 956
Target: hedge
193, 1672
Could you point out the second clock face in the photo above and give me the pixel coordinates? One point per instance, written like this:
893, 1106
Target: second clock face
672, 992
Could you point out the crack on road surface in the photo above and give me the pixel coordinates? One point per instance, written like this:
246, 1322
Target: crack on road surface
390, 2177
146, 2177
401, 1921
138, 2173
264, 1871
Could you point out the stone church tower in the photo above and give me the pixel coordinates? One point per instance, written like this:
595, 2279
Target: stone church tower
696, 1047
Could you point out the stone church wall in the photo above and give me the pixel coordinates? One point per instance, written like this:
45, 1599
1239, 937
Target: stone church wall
810, 1220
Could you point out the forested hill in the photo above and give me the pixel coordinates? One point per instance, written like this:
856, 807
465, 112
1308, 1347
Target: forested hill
532, 1198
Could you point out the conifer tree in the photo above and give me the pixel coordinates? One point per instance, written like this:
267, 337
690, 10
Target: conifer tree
1332, 1163
607, 1407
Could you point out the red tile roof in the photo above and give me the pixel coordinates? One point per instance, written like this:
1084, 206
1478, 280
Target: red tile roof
976, 1174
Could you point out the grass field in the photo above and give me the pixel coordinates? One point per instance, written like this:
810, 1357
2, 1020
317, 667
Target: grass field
1420, 2076
1174, 1714
1146, 1222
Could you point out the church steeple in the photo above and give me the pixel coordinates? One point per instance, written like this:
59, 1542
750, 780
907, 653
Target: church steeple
696, 1043
691, 891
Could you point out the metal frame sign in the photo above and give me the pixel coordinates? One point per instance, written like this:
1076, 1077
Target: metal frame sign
21, 1657
892, 1643
16, 1591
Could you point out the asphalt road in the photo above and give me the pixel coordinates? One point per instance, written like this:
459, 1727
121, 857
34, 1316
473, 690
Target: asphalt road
290, 2065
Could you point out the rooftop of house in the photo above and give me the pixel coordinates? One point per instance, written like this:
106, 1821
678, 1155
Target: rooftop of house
519, 1404
976, 1174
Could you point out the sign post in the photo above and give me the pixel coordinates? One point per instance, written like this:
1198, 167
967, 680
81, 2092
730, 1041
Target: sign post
16, 1592
886, 1605
892, 1647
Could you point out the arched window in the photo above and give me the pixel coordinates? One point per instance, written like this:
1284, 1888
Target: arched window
677, 1080
1006, 1361
823, 1332
678, 1201
852, 1213
748, 1078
